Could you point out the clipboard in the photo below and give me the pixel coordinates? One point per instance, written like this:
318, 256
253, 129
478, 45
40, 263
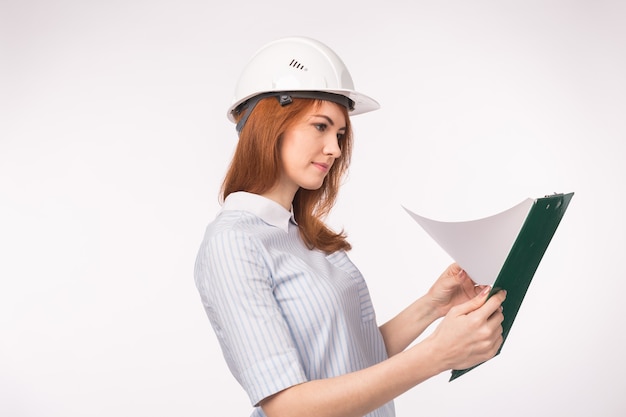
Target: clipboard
529, 244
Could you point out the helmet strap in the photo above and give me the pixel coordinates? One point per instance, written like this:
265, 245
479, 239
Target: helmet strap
249, 106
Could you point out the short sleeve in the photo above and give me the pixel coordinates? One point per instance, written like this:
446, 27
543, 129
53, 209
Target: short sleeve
232, 273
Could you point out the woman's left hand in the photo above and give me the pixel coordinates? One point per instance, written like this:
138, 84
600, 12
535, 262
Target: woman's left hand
453, 287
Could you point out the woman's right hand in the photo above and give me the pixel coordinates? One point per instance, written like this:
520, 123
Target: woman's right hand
470, 333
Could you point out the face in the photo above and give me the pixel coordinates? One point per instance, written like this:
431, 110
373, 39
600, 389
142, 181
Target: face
310, 147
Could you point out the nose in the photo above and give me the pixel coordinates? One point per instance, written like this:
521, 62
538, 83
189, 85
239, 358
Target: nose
331, 146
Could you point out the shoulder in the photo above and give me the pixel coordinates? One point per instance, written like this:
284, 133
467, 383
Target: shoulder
232, 252
232, 229
238, 237
239, 226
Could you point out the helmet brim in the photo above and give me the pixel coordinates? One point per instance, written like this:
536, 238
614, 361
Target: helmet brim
362, 102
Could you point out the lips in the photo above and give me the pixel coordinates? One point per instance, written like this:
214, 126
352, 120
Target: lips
322, 166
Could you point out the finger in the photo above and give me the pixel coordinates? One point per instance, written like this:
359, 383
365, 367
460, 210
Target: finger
472, 304
497, 316
454, 269
492, 305
497, 342
467, 278
478, 288
466, 282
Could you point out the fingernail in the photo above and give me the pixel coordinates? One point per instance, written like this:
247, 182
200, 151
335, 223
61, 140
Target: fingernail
486, 290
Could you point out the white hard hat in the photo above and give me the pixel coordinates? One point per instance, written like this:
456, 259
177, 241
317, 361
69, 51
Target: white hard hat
297, 67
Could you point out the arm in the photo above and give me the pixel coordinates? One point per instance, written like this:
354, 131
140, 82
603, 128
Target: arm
404, 328
451, 288
236, 290
469, 334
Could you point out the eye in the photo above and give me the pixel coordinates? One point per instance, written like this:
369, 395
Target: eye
321, 126
340, 135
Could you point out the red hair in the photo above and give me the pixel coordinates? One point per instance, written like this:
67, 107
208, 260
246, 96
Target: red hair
256, 167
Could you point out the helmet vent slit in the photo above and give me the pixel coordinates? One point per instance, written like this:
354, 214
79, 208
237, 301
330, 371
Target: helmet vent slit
297, 65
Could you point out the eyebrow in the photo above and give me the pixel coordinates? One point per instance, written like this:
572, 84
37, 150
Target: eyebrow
330, 121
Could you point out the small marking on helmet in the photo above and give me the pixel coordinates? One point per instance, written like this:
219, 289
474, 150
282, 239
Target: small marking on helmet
297, 65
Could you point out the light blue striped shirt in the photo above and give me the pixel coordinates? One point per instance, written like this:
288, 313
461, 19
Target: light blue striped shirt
283, 314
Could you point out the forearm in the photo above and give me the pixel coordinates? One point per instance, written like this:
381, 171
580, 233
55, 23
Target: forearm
471, 333
357, 393
403, 329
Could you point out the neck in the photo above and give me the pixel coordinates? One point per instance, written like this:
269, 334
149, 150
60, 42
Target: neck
281, 196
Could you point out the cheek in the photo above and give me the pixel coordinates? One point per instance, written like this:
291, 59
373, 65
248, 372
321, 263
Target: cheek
289, 158
294, 149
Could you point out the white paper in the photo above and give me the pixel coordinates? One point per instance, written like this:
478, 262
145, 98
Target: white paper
481, 246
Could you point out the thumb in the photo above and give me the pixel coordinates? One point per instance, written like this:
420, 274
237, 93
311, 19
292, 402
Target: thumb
474, 303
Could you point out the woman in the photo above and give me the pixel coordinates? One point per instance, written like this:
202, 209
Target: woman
292, 313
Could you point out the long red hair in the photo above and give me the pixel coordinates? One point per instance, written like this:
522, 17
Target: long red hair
256, 167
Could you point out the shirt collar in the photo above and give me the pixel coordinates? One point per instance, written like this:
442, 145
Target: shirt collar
268, 210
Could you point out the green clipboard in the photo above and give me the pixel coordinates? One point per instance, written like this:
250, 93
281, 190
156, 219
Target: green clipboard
524, 257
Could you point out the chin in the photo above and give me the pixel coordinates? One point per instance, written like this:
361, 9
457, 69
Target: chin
311, 187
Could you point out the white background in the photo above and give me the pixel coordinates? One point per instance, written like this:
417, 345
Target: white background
114, 141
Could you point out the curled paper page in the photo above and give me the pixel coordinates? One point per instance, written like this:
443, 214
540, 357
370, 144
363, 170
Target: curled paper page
503, 250
480, 246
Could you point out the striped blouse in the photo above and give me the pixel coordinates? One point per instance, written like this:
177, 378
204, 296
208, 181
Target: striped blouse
283, 314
